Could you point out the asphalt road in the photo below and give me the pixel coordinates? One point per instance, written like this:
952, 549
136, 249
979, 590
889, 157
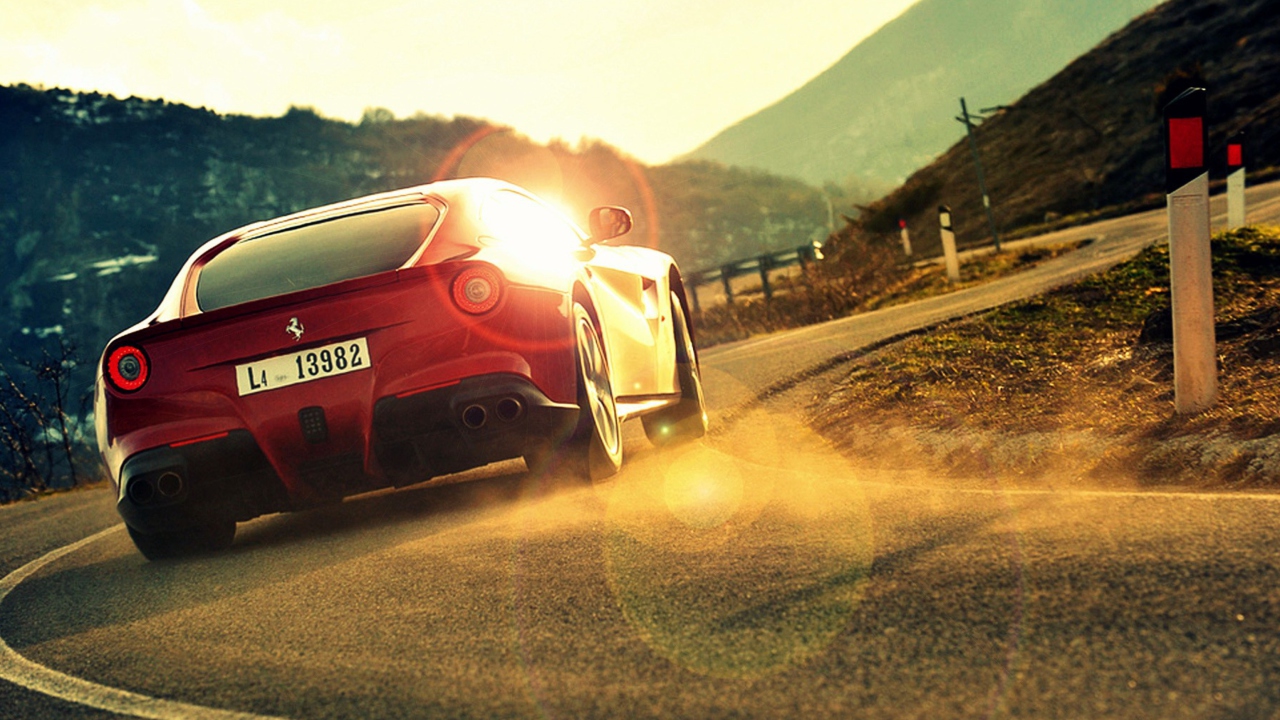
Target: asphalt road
755, 574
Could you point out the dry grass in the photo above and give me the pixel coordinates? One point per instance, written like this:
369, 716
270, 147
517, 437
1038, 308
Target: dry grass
1090, 361
856, 270
864, 276
919, 283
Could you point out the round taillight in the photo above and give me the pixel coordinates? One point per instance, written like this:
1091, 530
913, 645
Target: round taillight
128, 368
477, 289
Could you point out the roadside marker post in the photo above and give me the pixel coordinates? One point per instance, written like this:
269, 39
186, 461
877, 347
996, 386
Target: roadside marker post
1235, 183
906, 237
1195, 363
949, 244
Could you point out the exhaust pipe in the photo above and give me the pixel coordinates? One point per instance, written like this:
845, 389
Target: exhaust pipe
169, 484
141, 491
509, 409
475, 416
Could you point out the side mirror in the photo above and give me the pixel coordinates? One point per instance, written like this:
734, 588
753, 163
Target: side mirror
609, 222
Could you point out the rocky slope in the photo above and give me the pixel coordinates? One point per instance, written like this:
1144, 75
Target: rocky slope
1090, 137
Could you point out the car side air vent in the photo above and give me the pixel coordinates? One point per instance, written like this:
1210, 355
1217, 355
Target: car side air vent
314, 428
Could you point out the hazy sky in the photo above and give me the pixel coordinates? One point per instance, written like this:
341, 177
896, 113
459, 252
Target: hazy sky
653, 77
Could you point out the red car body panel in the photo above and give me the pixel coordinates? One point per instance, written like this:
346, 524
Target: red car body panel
420, 343
192, 391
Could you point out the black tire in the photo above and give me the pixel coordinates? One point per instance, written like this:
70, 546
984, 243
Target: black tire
595, 451
687, 419
183, 543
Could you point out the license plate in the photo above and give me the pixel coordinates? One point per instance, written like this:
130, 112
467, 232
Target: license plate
300, 367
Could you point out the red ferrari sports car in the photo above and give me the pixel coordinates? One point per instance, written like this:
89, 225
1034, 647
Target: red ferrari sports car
383, 341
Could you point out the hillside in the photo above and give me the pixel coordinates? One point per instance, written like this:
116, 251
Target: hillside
1090, 137
102, 199
886, 108
1084, 381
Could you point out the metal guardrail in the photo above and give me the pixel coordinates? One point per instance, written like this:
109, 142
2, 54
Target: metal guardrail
762, 264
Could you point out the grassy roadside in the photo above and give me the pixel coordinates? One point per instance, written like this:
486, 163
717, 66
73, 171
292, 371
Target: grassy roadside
1077, 384
872, 280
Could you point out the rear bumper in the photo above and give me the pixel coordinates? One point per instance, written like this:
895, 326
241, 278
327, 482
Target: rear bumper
467, 424
170, 488
474, 422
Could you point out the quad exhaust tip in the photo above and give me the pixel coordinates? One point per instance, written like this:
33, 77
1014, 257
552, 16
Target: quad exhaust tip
169, 484
143, 490
475, 416
509, 409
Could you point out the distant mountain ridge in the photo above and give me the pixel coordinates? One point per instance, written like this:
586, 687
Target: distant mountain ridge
102, 199
887, 107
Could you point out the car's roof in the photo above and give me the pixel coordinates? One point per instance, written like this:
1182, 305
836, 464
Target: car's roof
452, 192
447, 190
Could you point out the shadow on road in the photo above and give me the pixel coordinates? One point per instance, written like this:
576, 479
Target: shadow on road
125, 588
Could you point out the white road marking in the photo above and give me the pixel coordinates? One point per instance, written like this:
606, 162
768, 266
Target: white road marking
20, 671
1067, 492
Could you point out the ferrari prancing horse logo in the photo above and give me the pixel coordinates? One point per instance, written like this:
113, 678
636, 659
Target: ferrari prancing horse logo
295, 329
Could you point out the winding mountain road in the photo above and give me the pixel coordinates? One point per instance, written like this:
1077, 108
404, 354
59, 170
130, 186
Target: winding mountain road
756, 574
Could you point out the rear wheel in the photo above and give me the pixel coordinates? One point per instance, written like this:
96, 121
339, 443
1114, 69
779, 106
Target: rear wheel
182, 543
687, 419
596, 447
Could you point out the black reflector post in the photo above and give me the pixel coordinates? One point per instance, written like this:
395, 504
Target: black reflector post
1235, 182
1195, 369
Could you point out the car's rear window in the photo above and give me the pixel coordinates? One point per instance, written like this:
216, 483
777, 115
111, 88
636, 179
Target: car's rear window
313, 255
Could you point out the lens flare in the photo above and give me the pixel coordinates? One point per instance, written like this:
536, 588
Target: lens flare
500, 153
702, 495
736, 557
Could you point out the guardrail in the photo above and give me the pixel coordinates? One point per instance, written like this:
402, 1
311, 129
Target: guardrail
762, 264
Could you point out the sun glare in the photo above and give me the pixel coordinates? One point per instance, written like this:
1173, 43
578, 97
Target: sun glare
701, 492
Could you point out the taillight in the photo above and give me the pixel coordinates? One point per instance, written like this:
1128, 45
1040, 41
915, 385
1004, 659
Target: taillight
128, 368
477, 289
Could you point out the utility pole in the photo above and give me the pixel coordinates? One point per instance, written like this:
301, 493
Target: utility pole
977, 163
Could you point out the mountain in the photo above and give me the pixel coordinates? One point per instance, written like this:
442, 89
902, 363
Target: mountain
887, 107
1091, 136
102, 199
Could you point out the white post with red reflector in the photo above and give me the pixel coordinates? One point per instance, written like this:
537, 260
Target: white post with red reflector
906, 237
1235, 183
949, 244
1195, 362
